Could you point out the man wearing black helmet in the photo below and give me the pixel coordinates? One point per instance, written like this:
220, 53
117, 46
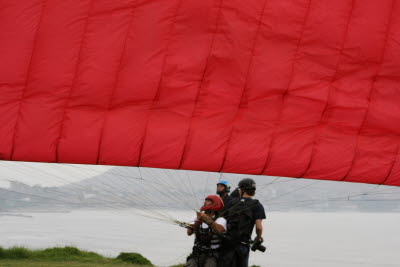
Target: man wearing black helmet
244, 213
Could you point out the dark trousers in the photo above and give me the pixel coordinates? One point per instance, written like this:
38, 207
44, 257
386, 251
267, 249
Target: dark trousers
206, 259
237, 256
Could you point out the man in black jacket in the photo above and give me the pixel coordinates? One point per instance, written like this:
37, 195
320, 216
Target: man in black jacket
243, 214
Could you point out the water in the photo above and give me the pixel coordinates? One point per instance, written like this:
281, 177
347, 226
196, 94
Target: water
293, 239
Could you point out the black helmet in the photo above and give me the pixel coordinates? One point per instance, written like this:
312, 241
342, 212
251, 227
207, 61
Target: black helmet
247, 183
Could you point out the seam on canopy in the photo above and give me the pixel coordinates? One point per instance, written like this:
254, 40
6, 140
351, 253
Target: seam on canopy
392, 166
245, 86
375, 78
117, 9
116, 81
201, 85
295, 58
74, 80
156, 96
28, 74
11, 84
334, 77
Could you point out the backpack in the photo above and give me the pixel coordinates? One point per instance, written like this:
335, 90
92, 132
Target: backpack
240, 220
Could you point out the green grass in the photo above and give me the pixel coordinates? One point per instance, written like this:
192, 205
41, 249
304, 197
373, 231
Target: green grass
35, 263
133, 258
67, 256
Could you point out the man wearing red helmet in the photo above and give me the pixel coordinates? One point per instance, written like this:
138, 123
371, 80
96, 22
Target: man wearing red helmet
208, 227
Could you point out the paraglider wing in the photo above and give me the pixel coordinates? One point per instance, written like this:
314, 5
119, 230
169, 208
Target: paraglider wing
290, 88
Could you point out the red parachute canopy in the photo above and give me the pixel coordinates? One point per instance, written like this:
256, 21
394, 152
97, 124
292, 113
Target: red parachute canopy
298, 88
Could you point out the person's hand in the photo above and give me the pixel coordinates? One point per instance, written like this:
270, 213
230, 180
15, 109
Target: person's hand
199, 215
206, 219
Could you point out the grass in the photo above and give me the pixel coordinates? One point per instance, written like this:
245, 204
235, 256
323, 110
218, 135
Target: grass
67, 256
34, 263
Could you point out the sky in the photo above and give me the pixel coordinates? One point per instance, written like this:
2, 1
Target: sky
278, 193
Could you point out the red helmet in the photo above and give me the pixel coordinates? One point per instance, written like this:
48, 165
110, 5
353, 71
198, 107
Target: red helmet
217, 205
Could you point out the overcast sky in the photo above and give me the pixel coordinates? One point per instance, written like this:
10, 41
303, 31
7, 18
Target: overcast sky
273, 191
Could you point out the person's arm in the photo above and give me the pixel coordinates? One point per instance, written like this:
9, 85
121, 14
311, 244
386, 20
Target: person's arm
215, 226
259, 229
193, 227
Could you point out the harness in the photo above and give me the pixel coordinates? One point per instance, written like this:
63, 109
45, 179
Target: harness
241, 220
206, 239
